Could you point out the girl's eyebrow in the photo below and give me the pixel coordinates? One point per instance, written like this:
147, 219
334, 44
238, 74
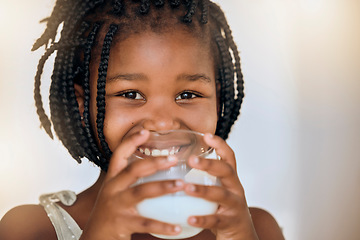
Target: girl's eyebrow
139, 76
194, 77
128, 77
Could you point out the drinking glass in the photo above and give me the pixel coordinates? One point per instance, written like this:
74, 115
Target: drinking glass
176, 208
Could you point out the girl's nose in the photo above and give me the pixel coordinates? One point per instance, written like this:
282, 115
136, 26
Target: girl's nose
162, 119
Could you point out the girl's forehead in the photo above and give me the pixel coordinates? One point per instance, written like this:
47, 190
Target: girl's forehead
173, 37
176, 39
149, 48
152, 26
199, 36
150, 44
153, 54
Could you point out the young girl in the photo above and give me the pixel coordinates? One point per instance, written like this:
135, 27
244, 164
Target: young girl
124, 68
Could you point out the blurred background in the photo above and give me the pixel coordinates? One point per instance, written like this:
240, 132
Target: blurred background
297, 140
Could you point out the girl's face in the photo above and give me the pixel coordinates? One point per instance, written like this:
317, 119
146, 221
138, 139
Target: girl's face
157, 82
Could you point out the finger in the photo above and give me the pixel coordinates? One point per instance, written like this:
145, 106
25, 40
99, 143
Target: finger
220, 169
136, 194
146, 225
209, 221
217, 194
222, 148
216, 168
145, 167
223, 221
119, 159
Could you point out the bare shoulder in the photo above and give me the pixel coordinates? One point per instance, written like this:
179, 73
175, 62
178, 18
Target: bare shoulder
26, 222
265, 225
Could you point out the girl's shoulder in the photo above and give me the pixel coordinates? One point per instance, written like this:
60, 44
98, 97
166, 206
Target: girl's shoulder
265, 224
26, 222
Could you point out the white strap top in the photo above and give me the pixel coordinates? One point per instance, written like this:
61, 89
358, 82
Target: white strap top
65, 226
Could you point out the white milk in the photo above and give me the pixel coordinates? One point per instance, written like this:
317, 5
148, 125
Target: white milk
176, 209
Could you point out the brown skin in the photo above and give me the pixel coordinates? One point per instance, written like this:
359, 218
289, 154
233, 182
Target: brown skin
157, 70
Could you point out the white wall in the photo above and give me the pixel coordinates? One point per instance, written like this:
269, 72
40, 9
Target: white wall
297, 140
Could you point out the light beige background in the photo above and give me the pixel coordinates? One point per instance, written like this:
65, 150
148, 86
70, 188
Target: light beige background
298, 138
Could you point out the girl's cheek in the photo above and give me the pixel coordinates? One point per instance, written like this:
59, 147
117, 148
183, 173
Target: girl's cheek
203, 119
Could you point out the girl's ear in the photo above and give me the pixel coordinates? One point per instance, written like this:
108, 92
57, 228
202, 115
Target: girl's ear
79, 93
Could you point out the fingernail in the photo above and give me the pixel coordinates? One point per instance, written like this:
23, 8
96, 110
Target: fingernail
177, 229
192, 220
142, 132
179, 183
171, 158
196, 160
191, 188
209, 135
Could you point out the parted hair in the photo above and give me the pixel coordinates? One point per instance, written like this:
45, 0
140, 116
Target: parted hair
88, 29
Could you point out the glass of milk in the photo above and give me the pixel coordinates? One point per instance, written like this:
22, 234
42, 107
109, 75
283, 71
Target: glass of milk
176, 208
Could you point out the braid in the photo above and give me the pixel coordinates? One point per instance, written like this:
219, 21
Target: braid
59, 12
67, 119
56, 96
231, 104
159, 3
145, 6
101, 87
44, 119
205, 10
74, 131
53, 23
61, 118
63, 105
191, 11
66, 111
117, 7
174, 3
93, 151
187, 2
221, 18
80, 139
227, 90
78, 12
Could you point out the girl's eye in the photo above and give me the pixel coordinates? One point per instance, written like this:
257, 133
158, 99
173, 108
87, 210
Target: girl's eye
186, 95
131, 95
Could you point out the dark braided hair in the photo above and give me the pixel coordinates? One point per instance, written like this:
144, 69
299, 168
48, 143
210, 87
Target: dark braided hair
88, 24
100, 99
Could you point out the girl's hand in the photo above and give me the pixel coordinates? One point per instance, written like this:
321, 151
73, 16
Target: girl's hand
114, 215
232, 220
